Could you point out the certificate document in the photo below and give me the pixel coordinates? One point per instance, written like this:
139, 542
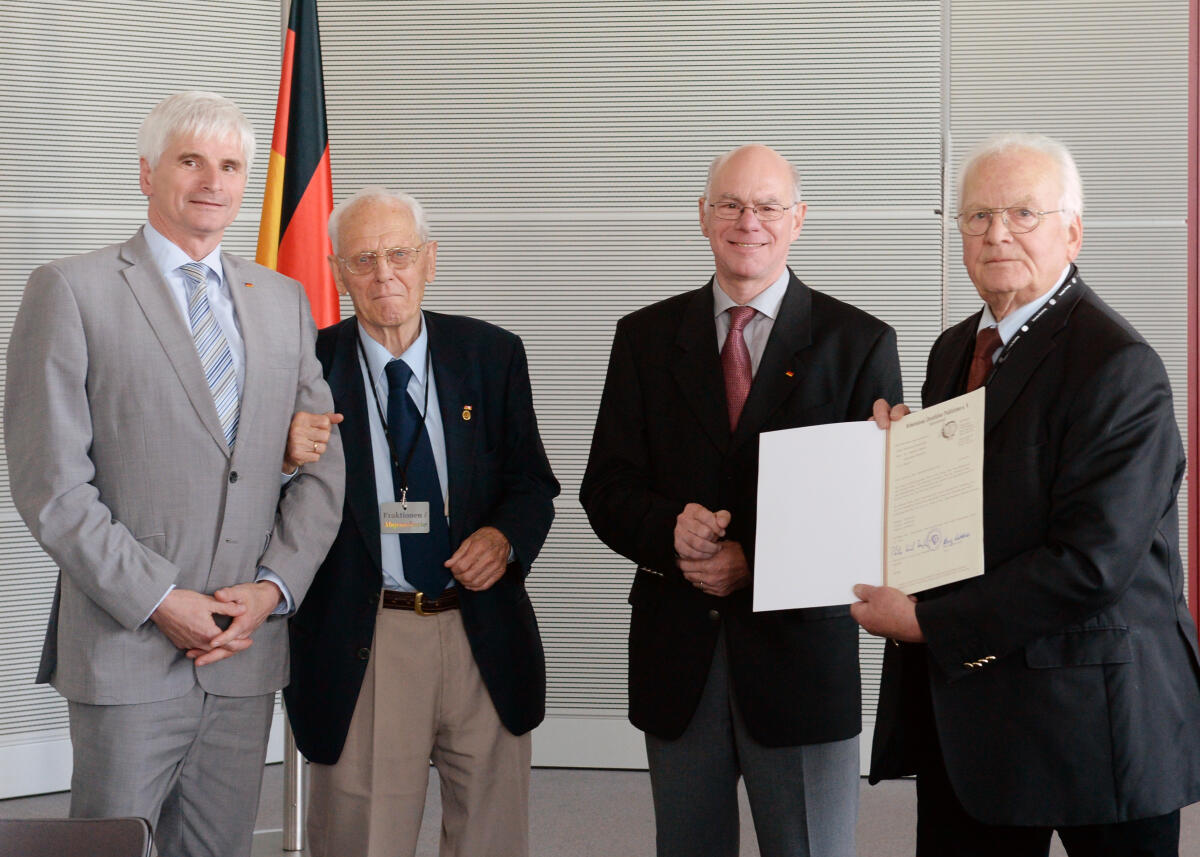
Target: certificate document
846, 503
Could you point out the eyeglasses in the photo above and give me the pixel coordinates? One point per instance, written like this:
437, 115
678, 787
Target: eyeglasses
398, 257
727, 209
1018, 219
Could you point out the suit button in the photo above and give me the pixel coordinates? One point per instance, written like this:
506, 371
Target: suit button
364, 654
373, 599
233, 476
714, 615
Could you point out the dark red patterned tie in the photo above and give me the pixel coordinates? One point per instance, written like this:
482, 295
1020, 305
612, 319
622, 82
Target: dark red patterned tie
986, 343
735, 360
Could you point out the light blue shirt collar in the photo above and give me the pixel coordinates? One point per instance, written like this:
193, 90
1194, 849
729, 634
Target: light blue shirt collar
378, 357
766, 302
1011, 323
168, 257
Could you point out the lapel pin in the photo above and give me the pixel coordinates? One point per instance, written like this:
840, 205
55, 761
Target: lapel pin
466, 414
790, 373
249, 285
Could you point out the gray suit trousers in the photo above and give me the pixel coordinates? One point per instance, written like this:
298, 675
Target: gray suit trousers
135, 759
804, 799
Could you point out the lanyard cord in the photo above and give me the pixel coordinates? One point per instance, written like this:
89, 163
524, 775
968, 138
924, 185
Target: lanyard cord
1023, 329
383, 419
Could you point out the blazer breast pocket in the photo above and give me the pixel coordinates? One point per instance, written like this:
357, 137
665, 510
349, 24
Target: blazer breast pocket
1084, 647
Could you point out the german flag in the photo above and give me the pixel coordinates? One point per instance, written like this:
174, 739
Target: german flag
299, 195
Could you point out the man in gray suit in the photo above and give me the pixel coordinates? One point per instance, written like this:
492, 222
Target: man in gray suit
151, 385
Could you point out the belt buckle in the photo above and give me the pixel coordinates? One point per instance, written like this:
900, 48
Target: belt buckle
418, 605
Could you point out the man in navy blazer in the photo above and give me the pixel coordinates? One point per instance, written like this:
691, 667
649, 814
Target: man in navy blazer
402, 654
1060, 690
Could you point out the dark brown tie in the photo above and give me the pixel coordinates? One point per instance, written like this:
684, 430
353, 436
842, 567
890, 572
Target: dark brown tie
986, 343
735, 360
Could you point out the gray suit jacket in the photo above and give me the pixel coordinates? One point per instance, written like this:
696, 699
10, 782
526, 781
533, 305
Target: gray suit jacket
120, 469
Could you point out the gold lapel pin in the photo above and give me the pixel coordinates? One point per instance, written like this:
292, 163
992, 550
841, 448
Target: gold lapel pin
790, 373
466, 412
249, 285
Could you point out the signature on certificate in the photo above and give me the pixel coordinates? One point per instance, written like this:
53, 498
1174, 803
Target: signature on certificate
931, 541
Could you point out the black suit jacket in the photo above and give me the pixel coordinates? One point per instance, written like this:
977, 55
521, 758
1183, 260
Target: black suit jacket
662, 440
498, 475
1089, 711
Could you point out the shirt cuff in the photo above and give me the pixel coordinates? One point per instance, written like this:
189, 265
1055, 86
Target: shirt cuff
170, 589
285, 478
287, 606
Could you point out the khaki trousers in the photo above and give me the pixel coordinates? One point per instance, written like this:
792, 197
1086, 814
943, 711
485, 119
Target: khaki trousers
422, 699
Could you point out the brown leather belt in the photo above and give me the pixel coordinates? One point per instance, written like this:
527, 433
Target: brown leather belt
419, 603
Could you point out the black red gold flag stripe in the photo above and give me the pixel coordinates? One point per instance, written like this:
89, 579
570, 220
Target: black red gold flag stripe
299, 194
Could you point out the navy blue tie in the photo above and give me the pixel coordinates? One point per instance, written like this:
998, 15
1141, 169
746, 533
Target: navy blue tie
424, 554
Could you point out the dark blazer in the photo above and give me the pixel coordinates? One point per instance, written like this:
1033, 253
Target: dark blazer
662, 440
1065, 682
498, 475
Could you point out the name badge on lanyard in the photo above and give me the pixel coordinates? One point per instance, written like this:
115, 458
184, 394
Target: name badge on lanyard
404, 518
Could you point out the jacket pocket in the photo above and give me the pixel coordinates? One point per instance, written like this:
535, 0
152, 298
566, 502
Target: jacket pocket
1084, 647
645, 592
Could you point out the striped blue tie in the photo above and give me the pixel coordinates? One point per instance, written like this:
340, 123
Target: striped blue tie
212, 348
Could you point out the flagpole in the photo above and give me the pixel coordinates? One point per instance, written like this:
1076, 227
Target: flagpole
294, 792
293, 764
297, 199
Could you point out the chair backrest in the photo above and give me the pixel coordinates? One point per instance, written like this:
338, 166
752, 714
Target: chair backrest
74, 837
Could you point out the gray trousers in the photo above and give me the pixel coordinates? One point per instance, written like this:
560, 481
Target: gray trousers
192, 766
804, 799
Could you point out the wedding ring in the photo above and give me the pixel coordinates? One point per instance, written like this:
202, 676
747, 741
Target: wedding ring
316, 446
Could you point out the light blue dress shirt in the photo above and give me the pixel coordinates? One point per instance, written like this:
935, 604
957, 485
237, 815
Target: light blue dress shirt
374, 375
167, 259
1008, 327
758, 331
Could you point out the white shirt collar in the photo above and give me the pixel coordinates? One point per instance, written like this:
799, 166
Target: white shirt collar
766, 302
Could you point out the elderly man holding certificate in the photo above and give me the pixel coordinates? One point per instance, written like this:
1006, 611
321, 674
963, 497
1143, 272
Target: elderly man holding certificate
1060, 690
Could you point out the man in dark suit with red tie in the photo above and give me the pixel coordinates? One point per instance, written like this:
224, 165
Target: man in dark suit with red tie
1060, 690
719, 690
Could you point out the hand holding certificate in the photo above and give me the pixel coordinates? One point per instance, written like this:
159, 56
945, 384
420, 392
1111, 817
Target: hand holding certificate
847, 503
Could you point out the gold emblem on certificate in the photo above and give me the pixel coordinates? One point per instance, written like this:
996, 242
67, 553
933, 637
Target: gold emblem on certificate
404, 518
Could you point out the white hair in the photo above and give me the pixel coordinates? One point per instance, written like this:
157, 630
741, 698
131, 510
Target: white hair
194, 113
719, 161
1071, 199
374, 193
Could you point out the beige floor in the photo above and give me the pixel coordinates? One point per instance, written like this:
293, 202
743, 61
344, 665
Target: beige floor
591, 813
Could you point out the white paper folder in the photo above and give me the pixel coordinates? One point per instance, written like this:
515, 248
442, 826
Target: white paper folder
847, 503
